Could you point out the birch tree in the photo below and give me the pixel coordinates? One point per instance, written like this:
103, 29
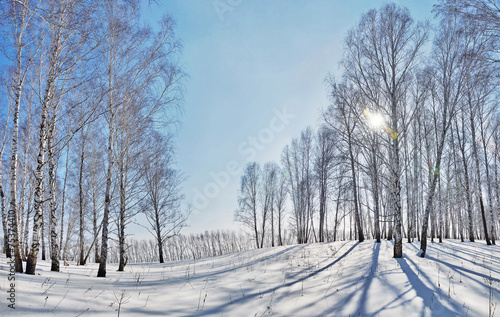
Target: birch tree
280, 201
451, 65
137, 61
387, 43
162, 186
297, 162
18, 19
247, 212
323, 165
66, 23
342, 116
269, 188
476, 95
4, 136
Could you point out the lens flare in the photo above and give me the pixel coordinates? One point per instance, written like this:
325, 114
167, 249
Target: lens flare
375, 120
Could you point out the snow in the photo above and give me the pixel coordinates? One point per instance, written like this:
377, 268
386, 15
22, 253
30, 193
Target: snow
322, 279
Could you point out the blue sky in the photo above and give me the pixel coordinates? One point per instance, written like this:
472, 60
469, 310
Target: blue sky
249, 62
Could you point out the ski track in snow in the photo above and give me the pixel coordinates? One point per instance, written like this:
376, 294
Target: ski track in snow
321, 279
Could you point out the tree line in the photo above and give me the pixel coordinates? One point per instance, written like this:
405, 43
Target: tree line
89, 95
409, 145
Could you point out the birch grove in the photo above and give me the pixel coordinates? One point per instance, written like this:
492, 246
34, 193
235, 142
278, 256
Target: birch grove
72, 72
412, 126
406, 149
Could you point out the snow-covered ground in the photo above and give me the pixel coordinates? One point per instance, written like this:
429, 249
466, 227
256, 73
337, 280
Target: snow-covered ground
328, 279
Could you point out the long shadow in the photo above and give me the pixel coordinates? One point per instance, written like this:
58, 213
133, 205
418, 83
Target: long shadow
425, 293
462, 269
220, 308
463, 259
412, 245
465, 250
368, 281
392, 291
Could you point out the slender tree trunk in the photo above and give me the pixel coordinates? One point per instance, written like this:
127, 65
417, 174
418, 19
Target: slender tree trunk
432, 189
6, 248
61, 230
272, 221
69, 229
42, 149
24, 237
256, 233
416, 191
44, 213
280, 239
322, 201
96, 238
488, 184
121, 220
336, 216
95, 228
24, 218
80, 200
457, 180
361, 237
423, 243
478, 172
468, 198
107, 195
264, 217
497, 180
158, 237
54, 247
26, 225
375, 183
13, 214
440, 207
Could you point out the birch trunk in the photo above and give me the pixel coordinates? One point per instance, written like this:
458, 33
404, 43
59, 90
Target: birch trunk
478, 172
26, 225
54, 246
6, 248
158, 233
80, 200
13, 213
39, 173
440, 207
107, 195
121, 217
465, 166
361, 237
423, 244
96, 228
457, 179
488, 182
445, 124
61, 230
42, 235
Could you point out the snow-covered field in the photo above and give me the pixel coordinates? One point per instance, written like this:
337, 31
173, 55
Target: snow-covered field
328, 279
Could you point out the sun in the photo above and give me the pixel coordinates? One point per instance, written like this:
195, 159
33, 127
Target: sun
376, 120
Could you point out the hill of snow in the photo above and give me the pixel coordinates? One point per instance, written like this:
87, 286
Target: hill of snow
327, 279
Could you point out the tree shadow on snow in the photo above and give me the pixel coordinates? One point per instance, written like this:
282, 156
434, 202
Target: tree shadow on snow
427, 294
249, 296
368, 280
